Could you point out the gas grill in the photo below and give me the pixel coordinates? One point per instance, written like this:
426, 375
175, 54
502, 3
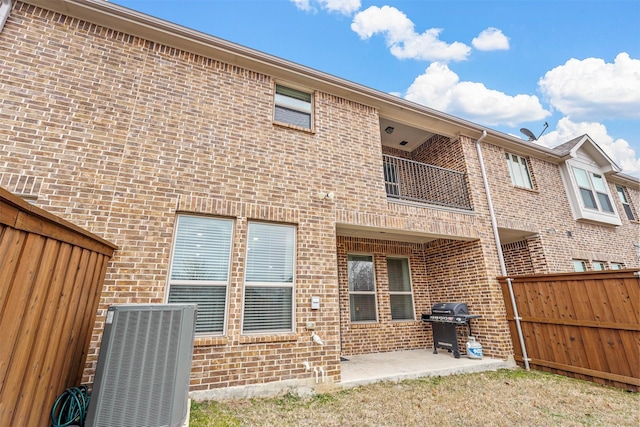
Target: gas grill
444, 318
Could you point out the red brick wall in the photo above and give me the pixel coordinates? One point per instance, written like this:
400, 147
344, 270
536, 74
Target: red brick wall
122, 134
517, 258
546, 211
385, 334
458, 273
441, 151
441, 271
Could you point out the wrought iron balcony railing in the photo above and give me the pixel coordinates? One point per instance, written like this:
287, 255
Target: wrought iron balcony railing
420, 182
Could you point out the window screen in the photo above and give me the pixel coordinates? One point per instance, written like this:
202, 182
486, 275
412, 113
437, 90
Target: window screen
362, 290
400, 294
293, 107
200, 269
269, 278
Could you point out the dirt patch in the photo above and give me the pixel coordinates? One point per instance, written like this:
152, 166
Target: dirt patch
502, 398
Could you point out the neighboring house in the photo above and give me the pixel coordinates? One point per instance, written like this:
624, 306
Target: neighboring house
252, 185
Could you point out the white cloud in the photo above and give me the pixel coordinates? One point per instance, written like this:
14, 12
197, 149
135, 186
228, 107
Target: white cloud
593, 90
302, 4
491, 39
345, 7
441, 88
403, 41
619, 150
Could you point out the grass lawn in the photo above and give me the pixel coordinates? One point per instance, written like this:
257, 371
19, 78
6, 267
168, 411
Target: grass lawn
503, 398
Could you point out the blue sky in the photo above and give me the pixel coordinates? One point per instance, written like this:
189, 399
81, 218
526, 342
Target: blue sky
505, 64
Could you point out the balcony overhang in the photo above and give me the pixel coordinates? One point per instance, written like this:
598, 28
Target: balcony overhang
510, 235
393, 234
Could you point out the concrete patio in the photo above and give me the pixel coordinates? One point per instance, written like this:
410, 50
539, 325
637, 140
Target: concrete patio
365, 369
411, 364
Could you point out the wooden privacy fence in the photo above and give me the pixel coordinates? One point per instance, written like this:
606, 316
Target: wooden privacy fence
51, 277
582, 325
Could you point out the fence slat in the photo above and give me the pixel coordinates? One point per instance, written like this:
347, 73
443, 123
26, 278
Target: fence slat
588, 372
587, 324
49, 333
29, 347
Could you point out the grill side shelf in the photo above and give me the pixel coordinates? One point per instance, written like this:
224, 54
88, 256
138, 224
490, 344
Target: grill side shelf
449, 318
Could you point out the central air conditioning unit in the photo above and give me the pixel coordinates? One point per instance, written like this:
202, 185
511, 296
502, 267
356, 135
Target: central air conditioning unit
144, 365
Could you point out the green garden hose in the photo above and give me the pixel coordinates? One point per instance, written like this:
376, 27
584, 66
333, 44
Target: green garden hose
70, 407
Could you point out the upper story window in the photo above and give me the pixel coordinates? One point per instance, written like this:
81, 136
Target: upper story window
588, 192
362, 288
599, 265
519, 171
593, 190
269, 278
622, 195
617, 266
200, 269
293, 107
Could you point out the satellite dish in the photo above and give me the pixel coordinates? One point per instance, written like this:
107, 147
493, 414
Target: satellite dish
530, 134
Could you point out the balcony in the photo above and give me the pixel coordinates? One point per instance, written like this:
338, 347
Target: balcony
419, 182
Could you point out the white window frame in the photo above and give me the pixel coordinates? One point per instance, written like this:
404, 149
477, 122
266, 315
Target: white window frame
197, 283
616, 265
273, 285
403, 293
519, 171
591, 187
598, 265
5, 10
624, 200
579, 265
353, 293
296, 105
580, 211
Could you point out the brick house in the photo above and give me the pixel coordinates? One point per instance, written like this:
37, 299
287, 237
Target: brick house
250, 184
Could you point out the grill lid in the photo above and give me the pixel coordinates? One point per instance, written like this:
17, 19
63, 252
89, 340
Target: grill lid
450, 308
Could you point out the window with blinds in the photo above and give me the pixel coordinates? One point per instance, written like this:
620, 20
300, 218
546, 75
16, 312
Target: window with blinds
362, 289
400, 292
200, 269
293, 107
269, 278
